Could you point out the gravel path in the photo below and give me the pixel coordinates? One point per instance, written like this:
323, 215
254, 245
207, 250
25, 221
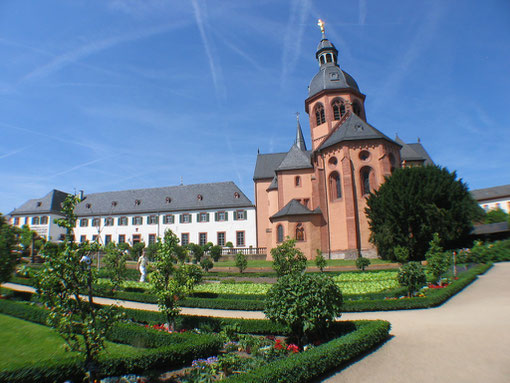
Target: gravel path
465, 340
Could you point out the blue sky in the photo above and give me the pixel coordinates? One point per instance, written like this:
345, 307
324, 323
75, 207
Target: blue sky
121, 94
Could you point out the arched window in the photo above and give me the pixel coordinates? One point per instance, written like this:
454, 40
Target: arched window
322, 59
279, 233
335, 187
366, 175
300, 232
297, 181
338, 109
329, 58
356, 108
319, 114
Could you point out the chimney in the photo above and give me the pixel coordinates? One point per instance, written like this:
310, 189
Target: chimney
81, 195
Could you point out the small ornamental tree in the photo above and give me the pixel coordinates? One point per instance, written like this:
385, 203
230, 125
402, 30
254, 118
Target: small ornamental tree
136, 250
64, 276
215, 253
115, 264
288, 259
197, 252
188, 276
401, 254
206, 264
320, 262
412, 276
438, 261
241, 262
307, 303
362, 263
8, 254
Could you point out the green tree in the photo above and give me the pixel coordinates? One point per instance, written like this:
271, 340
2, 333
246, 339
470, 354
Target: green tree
197, 252
64, 276
438, 261
206, 263
320, 262
151, 251
288, 259
412, 276
115, 264
9, 256
241, 262
215, 253
188, 276
416, 202
136, 250
495, 216
26, 239
400, 254
362, 263
307, 303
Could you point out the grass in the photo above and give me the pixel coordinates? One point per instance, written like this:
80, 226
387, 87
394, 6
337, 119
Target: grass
330, 262
24, 343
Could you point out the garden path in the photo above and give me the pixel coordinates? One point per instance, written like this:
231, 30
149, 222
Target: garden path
467, 339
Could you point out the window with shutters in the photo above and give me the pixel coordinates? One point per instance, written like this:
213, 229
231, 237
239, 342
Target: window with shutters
108, 221
240, 215
96, 222
221, 238
137, 220
16, 221
44, 220
184, 239
221, 216
202, 239
122, 221
152, 239
239, 238
168, 219
84, 222
152, 220
35, 220
202, 217
185, 218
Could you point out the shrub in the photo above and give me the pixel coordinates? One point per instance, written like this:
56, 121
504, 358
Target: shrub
320, 262
136, 250
287, 259
215, 253
241, 262
401, 254
362, 262
8, 257
115, 264
412, 276
307, 303
438, 261
206, 264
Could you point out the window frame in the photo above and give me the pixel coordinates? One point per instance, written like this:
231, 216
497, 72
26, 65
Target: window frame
152, 219
35, 220
244, 215
121, 238
185, 218
238, 243
301, 230
123, 221
280, 233
109, 221
200, 235
168, 219
184, 242
335, 186
84, 222
96, 222
218, 238
151, 239
137, 220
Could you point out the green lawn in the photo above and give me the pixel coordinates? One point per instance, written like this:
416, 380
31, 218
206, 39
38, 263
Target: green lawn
23, 343
331, 262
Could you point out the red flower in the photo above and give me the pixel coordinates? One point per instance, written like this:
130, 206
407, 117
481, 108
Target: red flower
278, 345
293, 348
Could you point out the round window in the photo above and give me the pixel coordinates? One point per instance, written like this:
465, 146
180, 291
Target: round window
332, 162
364, 155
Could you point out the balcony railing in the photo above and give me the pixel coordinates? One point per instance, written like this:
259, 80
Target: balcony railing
244, 250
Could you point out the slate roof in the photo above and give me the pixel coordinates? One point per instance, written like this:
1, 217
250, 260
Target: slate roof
491, 193
50, 203
294, 207
353, 129
491, 228
182, 198
413, 152
267, 164
296, 159
331, 77
274, 184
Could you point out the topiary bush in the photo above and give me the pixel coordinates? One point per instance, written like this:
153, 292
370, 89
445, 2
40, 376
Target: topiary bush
287, 259
362, 263
307, 303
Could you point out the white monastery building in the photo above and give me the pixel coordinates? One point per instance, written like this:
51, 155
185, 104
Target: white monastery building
214, 212
497, 197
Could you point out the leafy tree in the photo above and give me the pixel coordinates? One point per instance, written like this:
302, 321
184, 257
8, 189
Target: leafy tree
9, 257
320, 262
196, 251
438, 261
26, 239
495, 216
215, 252
206, 264
401, 254
169, 291
241, 262
124, 246
115, 264
362, 262
136, 250
416, 202
150, 251
412, 276
307, 303
480, 253
288, 259
64, 276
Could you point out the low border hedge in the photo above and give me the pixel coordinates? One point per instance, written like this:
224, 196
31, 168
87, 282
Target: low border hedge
310, 365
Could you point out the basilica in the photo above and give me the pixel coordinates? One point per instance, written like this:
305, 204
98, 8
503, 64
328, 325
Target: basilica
317, 196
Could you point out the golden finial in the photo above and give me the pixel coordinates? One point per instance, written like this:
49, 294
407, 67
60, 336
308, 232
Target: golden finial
320, 23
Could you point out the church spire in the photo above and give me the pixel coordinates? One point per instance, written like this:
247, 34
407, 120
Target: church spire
326, 53
300, 141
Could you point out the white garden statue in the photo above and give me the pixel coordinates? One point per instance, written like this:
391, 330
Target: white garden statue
142, 265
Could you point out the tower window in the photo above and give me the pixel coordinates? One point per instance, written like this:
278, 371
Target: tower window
366, 173
319, 114
279, 233
300, 232
356, 108
297, 181
322, 59
329, 58
335, 187
338, 109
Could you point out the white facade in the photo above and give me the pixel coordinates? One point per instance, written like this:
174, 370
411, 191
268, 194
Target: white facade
43, 225
501, 203
240, 231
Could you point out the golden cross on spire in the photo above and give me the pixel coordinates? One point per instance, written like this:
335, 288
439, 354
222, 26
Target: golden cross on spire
320, 23
297, 116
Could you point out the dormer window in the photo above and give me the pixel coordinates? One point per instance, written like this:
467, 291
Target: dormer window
236, 195
137, 202
88, 206
39, 204
320, 117
200, 197
114, 203
168, 200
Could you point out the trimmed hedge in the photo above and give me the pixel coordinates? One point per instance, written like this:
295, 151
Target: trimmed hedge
310, 365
